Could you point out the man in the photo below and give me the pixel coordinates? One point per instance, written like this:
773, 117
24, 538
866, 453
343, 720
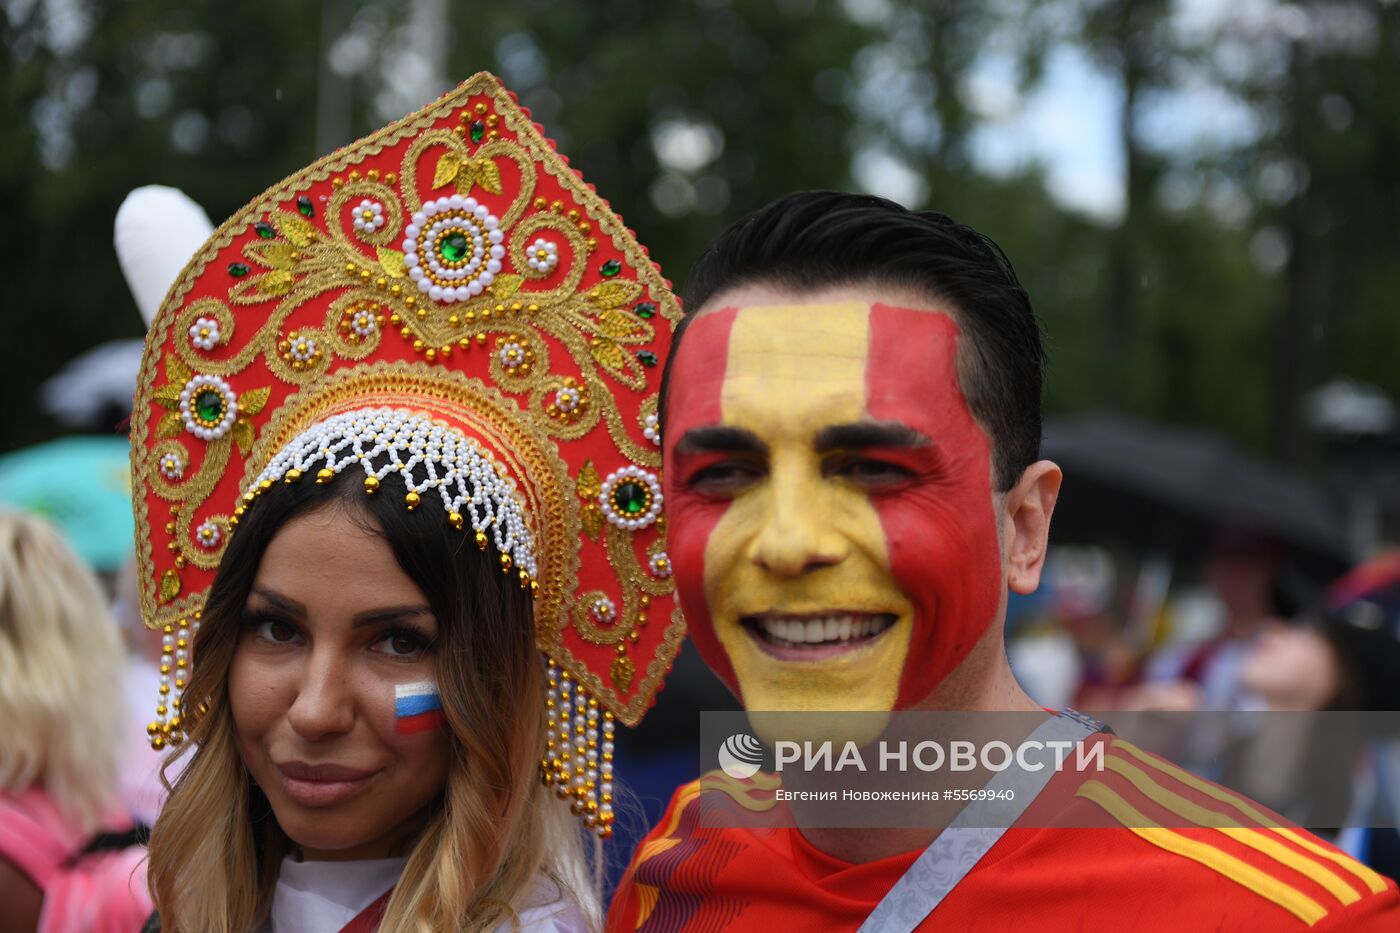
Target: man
851, 428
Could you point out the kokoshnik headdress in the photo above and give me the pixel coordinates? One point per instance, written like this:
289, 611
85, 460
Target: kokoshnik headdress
448, 300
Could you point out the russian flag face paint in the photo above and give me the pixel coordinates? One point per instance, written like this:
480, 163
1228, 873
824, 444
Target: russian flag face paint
417, 707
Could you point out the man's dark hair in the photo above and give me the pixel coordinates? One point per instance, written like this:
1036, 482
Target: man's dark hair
816, 239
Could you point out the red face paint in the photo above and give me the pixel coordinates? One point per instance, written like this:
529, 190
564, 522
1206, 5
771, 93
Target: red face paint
941, 529
695, 399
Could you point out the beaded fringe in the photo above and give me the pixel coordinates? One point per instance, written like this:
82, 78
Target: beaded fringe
577, 764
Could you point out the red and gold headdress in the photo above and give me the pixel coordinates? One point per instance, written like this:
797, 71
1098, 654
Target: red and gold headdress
447, 299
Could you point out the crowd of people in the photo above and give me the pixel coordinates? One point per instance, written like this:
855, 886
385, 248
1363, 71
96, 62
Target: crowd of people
432, 475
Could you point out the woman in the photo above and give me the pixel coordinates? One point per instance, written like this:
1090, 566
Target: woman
62, 864
370, 442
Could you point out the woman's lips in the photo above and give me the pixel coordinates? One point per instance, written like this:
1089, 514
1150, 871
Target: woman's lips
322, 785
816, 637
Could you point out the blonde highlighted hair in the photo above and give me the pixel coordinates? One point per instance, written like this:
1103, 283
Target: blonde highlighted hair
216, 850
61, 661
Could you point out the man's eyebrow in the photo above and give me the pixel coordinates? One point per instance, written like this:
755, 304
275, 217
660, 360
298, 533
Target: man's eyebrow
868, 434
719, 439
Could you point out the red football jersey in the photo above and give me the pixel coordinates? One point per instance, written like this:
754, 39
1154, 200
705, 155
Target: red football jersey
1144, 847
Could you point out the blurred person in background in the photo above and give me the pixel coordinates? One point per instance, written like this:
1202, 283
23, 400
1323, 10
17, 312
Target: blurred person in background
68, 859
1241, 572
1347, 659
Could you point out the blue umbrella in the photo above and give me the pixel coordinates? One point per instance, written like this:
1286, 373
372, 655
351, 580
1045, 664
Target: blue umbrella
81, 484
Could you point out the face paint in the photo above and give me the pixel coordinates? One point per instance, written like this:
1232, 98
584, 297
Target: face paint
850, 494
417, 707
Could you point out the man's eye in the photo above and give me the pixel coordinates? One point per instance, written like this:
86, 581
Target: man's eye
872, 474
724, 478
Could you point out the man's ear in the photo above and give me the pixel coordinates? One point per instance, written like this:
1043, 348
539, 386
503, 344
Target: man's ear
1028, 507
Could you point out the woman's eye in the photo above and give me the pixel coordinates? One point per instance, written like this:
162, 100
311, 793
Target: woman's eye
277, 631
403, 644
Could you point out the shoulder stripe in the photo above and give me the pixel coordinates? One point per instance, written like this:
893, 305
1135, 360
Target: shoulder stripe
653, 847
1248, 836
1373, 881
1242, 873
1369, 877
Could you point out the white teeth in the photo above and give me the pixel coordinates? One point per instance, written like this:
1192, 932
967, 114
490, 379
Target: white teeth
822, 630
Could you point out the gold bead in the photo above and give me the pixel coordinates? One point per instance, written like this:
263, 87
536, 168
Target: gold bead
180, 562
524, 578
481, 338
354, 174
540, 204
372, 174
556, 206
421, 314
445, 350
455, 321
430, 354
324, 475
165, 668
480, 108
162, 709
534, 587
351, 268
292, 475
455, 520
464, 343
481, 540
505, 562
417, 346
152, 727
158, 742
165, 689
174, 722
371, 484
412, 500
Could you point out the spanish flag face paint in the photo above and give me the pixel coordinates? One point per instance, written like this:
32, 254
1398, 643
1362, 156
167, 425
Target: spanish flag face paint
832, 520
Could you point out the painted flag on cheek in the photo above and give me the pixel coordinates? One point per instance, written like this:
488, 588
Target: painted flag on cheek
417, 707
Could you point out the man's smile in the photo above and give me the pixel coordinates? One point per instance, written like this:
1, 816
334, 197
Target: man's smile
815, 636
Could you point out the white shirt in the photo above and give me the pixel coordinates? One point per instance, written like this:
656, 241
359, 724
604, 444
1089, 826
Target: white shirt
321, 897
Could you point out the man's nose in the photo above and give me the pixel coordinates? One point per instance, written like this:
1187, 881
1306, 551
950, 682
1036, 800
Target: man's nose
797, 534
324, 705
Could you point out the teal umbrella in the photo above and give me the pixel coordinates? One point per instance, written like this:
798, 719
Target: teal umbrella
81, 484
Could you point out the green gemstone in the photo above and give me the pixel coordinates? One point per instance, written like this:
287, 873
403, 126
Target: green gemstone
648, 358
265, 230
478, 130
610, 268
238, 269
454, 247
209, 406
645, 310
305, 206
631, 497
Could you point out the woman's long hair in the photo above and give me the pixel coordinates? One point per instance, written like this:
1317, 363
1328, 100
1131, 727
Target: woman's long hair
216, 850
61, 658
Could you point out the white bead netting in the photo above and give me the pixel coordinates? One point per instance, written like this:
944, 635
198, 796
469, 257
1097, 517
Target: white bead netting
429, 456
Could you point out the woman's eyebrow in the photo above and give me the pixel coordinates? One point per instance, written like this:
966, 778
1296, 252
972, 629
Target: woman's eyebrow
279, 601
388, 614
863, 434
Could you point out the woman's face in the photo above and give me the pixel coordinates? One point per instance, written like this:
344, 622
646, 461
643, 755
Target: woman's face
332, 625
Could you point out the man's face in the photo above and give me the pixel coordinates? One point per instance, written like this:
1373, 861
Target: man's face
833, 527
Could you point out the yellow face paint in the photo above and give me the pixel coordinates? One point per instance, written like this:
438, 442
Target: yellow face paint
799, 542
